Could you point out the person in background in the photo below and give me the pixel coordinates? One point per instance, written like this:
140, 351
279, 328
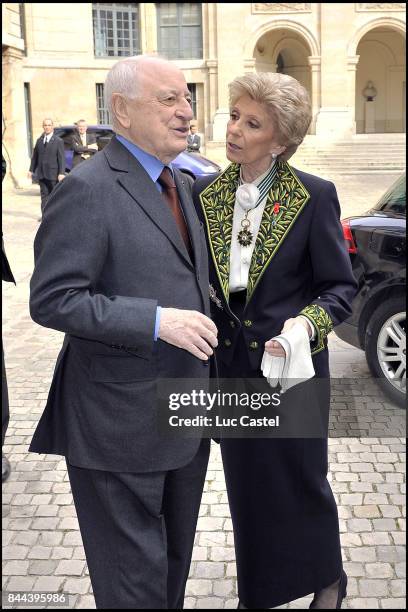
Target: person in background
193, 140
47, 161
6, 275
83, 144
121, 267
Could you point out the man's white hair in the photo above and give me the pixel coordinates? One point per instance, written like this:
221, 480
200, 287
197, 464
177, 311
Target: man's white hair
124, 78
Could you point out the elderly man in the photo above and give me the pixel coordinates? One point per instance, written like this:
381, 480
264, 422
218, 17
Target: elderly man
121, 268
83, 144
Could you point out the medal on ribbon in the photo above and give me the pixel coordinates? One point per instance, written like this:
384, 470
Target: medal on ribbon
247, 197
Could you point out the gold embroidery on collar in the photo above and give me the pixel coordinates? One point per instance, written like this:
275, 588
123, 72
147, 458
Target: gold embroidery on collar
291, 195
217, 201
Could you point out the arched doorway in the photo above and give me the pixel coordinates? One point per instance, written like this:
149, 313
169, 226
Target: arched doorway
381, 54
286, 51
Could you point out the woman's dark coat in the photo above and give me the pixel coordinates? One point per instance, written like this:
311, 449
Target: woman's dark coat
283, 510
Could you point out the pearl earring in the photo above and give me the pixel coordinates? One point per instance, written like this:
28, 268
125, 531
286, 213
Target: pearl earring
274, 156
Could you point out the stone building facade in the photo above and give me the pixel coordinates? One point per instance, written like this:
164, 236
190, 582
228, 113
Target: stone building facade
56, 56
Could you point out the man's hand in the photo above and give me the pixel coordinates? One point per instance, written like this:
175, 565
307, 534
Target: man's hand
29, 175
189, 330
93, 146
275, 348
61, 177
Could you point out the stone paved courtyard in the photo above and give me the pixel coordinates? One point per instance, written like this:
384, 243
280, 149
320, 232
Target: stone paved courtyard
42, 548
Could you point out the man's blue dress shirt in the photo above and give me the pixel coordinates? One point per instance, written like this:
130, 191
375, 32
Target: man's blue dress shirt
154, 168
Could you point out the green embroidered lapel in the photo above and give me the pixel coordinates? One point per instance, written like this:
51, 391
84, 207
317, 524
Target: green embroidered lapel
217, 202
289, 192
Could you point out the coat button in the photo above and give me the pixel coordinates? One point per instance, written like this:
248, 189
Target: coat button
227, 342
253, 345
232, 323
248, 323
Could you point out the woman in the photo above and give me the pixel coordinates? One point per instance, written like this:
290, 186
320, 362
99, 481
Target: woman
279, 262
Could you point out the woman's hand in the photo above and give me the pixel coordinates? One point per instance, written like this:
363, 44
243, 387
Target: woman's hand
274, 348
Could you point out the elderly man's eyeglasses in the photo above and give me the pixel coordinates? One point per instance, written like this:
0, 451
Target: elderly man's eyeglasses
172, 100
168, 99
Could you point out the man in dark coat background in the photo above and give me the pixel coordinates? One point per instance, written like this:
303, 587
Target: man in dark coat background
121, 267
193, 140
47, 161
83, 144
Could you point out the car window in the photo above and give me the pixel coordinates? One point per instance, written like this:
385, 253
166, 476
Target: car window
66, 135
394, 200
103, 136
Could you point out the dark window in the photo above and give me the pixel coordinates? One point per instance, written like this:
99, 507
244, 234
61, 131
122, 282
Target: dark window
179, 26
29, 125
116, 29
23, 26
394, 200
193, 90
101, 108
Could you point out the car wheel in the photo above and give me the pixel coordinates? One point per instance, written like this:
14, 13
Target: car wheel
386, 348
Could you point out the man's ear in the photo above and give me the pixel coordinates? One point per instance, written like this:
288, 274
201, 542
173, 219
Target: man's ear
120, 110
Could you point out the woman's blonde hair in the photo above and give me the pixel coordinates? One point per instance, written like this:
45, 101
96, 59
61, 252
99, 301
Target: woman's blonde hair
286, 100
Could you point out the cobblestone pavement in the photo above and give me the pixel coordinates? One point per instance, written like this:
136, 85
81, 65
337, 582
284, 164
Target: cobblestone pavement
42, 545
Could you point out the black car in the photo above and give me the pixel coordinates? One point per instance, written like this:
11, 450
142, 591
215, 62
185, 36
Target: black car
194, 164
377, 242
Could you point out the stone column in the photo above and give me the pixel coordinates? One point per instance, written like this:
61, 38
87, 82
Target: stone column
230, 60
352, 62
315, 63
212, 97
334, 121
148, 17
14, 127
212, 66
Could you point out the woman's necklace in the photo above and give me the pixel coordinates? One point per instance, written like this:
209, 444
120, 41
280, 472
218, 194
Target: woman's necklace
249, 197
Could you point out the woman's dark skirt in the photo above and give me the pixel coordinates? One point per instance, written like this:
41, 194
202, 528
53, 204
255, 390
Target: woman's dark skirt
283, 511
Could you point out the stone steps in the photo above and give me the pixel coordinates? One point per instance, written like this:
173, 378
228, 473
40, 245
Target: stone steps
364, 153
362, 159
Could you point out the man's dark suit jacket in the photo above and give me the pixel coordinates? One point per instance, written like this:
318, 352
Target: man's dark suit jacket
48, 162
107, 253
78, 148
300, 264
